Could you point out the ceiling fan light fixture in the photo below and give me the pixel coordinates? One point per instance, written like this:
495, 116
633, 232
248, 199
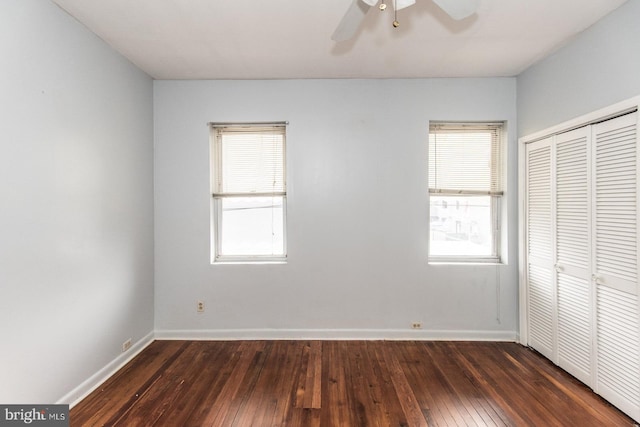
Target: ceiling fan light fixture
354, 17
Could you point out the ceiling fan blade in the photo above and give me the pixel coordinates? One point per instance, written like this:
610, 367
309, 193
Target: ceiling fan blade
458, 9
401, 4
351, 21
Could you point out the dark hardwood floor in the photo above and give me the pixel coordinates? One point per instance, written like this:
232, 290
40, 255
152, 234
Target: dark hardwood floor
342, 383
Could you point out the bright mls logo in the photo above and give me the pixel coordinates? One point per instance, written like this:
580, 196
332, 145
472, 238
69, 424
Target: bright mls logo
37, 415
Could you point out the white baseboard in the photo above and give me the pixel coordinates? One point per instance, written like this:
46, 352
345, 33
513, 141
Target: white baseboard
83, 390
335, 334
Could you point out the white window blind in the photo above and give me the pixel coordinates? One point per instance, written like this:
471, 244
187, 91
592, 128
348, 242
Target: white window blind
465, 159
250, 161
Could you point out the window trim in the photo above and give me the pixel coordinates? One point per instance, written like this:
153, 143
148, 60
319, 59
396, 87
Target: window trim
497, 197
216, 198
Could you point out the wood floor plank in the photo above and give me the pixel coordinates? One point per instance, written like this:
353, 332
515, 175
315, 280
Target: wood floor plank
257, 401
313, 399
477, 352
170, 390
283, 391
504, 381
427, 388
355, 411
371, 386
575, 392
273, 394
207, 383
405, 394
499, 385
219, 371
392, 407
222, 408
101, 404
488, 410
462, 392
364, 405
448, 378
550, 396
133, 403
334, 389
342, 384
301, 378
244, 405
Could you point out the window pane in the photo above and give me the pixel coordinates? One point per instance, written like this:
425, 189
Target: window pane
460, 226
252, 226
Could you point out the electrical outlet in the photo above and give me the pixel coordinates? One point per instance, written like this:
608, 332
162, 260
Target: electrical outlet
126, 345
416, 325
200, 307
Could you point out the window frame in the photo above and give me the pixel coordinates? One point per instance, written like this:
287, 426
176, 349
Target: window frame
496, 200
217, 197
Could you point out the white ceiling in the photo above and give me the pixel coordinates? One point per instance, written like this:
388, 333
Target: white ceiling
268, 39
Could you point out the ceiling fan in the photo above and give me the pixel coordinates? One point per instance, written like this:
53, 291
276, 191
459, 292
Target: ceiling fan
456, 9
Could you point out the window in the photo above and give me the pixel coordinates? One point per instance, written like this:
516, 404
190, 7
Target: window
465, 191
248, 181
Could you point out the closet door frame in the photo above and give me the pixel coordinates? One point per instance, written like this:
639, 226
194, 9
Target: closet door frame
611, 111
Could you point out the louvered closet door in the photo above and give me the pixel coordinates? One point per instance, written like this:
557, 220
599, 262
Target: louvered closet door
573, 229
616, 263
540, 270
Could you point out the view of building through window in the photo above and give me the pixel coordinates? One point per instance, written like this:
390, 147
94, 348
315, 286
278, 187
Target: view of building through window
460, 225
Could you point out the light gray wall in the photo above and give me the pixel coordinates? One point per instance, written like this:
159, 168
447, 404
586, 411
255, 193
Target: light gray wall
599, 68
76, 189
357, 213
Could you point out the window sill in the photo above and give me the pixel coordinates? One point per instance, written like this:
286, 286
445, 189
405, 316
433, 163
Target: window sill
464, 261
252, 261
